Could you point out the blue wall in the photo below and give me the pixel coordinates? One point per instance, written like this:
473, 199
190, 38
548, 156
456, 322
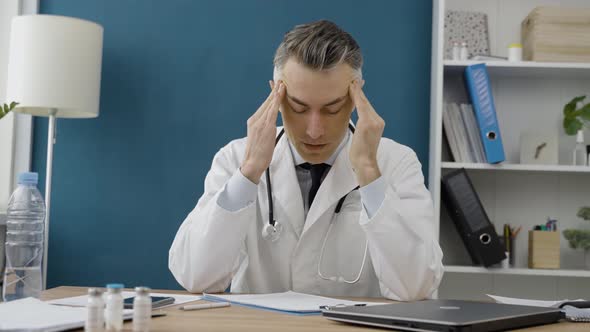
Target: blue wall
179, 80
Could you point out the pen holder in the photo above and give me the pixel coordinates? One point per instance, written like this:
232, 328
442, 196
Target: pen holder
544, 250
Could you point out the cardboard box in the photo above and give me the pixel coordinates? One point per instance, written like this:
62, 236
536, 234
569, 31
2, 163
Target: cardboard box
544, 250
556, 34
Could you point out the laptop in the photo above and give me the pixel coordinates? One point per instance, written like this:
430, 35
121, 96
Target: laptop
445, 315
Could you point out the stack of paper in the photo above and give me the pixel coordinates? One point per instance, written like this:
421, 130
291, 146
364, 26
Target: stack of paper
288, 302
31, 314
571, 313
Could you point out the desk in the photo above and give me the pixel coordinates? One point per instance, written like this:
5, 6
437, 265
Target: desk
242, 319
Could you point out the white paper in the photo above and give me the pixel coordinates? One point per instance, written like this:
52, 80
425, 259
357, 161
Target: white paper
535, 303
80, 301
31, 314
287, 302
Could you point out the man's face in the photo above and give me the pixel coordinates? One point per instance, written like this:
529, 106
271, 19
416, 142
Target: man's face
316, 108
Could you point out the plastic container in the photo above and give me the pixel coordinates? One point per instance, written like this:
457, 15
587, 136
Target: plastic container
515, 52
142, 309
579, 153
25, 226
114, 307
95, 311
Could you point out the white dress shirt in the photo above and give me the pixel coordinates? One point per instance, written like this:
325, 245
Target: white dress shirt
240, 191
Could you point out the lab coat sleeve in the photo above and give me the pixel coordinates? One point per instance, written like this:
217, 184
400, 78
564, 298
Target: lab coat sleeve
208, 247
401, 237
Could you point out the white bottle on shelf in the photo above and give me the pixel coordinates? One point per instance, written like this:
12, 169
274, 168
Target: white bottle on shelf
464, 52
580, 156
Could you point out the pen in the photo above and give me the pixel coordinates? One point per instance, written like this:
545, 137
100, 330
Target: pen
205, 306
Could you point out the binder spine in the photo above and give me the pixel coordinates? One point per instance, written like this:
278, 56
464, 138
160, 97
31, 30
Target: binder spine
480, 92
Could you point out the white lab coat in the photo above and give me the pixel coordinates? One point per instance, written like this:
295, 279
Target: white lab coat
214, 247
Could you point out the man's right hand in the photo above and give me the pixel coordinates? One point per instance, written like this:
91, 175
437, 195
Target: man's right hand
262, 131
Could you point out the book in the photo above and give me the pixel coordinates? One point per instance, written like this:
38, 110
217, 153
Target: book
475, 145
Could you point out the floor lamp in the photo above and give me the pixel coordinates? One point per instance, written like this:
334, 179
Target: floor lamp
54, 70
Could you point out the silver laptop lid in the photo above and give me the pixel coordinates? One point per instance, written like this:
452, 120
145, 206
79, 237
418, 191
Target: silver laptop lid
444, 312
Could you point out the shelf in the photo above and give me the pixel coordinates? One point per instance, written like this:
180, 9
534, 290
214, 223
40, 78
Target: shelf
517, 271
545, 70
519, 167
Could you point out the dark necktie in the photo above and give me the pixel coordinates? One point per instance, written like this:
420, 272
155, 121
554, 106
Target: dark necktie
317, 171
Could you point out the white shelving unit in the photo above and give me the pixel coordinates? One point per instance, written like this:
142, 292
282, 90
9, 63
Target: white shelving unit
529, 96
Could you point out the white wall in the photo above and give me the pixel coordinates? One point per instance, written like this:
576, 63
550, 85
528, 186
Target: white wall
8, 9
15, 129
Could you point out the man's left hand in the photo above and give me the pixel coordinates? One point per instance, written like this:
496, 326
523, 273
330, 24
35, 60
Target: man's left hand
366, 138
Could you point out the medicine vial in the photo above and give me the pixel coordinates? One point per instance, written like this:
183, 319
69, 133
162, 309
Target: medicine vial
464, 52
95, 311
114, 312
142, 309
455, 51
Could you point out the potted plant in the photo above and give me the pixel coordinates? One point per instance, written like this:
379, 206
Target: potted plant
574, 117
580, 238
7, 108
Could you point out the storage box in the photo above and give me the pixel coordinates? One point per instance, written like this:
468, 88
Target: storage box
556, 34
544, 250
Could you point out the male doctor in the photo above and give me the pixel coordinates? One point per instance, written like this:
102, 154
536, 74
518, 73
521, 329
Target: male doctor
350, 213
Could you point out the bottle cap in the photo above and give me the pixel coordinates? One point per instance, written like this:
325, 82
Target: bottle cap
115, 287
28, 178
142, 290
580, 136
515, 45
94, 292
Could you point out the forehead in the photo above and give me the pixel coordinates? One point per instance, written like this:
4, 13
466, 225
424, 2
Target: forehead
316, 86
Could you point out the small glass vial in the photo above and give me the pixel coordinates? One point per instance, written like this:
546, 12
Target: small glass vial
95, 311
114, 312
464, 52
142, 309
455, 53
580, 154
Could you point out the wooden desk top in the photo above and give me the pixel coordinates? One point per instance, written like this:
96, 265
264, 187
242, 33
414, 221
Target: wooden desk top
242, 319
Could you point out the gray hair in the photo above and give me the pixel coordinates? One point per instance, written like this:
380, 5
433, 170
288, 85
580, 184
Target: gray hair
318, 45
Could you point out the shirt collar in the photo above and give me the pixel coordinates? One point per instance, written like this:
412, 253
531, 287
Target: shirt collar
330, 161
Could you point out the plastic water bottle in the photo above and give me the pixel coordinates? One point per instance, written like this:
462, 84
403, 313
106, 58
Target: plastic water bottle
24, 240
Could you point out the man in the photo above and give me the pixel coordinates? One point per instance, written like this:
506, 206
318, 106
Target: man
329, 238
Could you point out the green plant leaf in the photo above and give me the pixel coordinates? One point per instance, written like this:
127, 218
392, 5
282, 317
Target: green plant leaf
13, 105
572, 126
584, 212
585, 112
571, 106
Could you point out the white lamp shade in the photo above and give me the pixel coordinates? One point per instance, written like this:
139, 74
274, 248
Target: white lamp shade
55, 64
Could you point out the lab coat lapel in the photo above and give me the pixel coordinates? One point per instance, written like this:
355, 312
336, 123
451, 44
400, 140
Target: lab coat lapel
286, 190
339, 182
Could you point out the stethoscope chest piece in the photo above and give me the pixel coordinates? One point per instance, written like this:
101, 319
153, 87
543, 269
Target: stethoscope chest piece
272, 232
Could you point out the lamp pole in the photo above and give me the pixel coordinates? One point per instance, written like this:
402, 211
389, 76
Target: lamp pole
49, 170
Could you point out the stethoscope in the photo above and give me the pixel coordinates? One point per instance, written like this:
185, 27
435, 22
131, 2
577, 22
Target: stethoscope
272, 231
